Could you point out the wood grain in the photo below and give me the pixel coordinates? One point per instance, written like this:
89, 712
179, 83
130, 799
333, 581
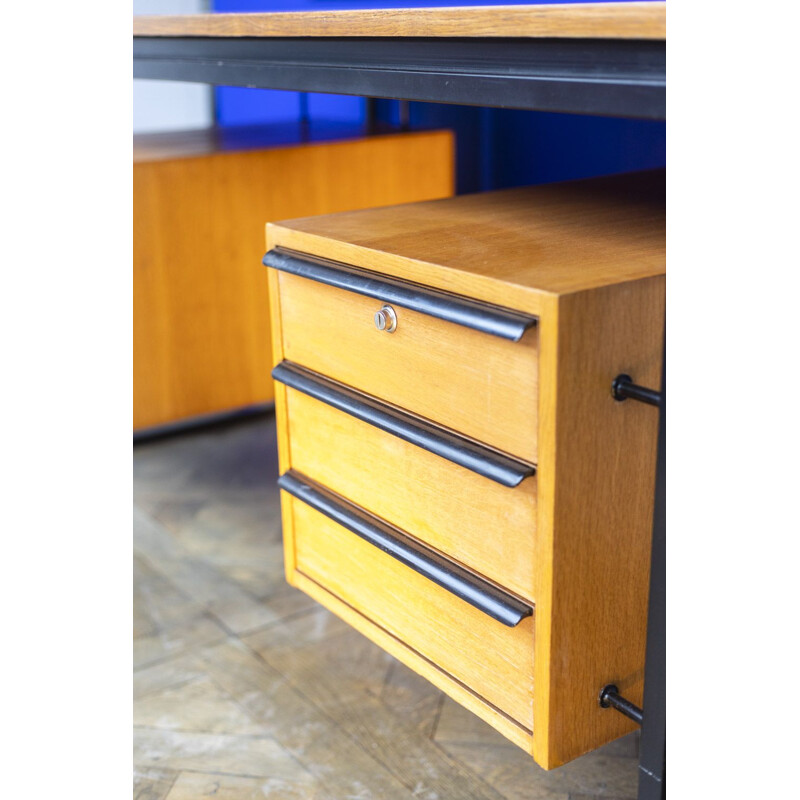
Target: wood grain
495, 661
460, 378
588, 259
424, 495
638, 20
596, 477
201, 321
512, 248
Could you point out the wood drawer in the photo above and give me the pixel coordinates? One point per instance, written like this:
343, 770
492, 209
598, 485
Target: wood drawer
466, 379
494, 660
478, 521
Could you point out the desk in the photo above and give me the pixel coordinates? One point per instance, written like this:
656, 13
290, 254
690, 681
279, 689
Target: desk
607, 58
580, 58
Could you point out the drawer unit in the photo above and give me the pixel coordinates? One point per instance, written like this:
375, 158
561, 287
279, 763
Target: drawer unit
458, 480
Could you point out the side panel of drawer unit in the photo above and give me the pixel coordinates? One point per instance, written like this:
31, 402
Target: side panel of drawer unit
484, 525
479, 384
493, 660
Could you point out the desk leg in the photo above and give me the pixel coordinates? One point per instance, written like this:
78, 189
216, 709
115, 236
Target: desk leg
652, 755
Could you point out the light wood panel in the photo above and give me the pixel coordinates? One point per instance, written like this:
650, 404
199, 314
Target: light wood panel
201, 321
596, 479
414, 660
483, 525
463, 379
512, 248
579, 20
493, 660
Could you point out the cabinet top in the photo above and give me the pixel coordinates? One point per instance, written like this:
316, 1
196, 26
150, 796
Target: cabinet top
626, 20
507, 247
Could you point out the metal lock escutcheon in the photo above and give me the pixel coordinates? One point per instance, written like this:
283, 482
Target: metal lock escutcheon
386, 319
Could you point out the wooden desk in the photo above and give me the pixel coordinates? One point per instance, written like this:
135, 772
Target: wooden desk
583, 58
599, 58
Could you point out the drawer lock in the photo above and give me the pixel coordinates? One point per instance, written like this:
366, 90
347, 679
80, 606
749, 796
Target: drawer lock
386, 319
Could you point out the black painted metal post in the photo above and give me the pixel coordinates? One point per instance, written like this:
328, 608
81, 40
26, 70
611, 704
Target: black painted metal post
371, 116
652, 755
404, 114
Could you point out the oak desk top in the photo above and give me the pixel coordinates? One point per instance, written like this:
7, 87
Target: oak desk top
637, 20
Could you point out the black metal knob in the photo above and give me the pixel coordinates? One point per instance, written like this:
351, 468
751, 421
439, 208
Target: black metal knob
623, 387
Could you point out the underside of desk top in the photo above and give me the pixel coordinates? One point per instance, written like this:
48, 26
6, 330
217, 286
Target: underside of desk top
626, 20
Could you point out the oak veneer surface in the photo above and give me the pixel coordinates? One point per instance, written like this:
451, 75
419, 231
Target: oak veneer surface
638, 20
512, 248
417, 491
201, 320
420, 367
587, 258
490, 658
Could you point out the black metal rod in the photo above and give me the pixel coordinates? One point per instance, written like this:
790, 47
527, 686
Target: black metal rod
652, 749
623, 388
473, 314
497, 467
479, 593
611, 698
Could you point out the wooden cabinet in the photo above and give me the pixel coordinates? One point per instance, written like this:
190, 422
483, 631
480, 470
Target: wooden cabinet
201, 323
459, 482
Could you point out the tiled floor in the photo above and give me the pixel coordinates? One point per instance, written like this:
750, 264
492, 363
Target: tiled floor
244, 688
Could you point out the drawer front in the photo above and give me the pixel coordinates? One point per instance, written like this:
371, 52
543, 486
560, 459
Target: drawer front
493, 660
481, 385
475, 520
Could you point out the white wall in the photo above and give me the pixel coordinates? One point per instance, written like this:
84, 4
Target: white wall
167, 105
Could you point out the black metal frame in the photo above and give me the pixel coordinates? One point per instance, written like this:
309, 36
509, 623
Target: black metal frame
624, 78
623, 387
611, 698
652, 754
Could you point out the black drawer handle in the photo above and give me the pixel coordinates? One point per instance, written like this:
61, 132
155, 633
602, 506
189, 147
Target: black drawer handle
481, 594
502, 469
483, 317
